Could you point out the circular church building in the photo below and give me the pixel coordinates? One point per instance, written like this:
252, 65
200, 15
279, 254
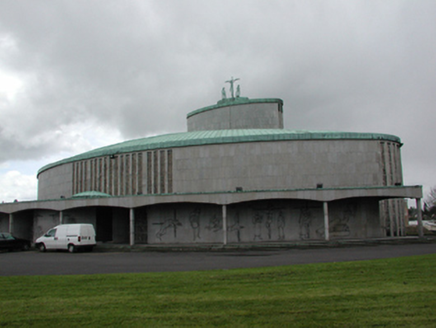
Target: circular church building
236, 176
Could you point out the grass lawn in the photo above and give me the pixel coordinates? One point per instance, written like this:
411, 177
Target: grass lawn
398, 292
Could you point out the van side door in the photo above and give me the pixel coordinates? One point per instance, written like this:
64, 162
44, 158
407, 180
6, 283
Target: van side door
61, 237
49, 239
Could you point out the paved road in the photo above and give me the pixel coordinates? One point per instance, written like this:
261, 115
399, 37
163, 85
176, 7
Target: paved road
62, 263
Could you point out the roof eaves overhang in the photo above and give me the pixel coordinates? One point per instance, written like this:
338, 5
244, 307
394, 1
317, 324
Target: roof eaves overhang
221, 198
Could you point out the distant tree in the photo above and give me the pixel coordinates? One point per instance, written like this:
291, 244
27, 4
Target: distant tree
413, 213
430, 200
429, 211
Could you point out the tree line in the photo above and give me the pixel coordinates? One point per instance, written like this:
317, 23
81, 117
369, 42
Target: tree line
429, 210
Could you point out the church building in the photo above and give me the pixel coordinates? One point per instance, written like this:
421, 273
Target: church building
236, 176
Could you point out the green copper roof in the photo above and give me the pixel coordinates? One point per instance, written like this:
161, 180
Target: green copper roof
198, 138
91, 194
234, 102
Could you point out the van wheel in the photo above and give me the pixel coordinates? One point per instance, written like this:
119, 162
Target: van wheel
71, 248
41, 247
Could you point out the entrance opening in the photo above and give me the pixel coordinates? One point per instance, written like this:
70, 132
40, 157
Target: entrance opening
104, 224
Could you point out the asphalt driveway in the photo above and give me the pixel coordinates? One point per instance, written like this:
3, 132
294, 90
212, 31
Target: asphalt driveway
62, 263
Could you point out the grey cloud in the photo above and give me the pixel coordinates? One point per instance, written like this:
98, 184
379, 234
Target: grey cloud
140, 67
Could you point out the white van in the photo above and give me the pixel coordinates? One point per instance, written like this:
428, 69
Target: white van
70, 237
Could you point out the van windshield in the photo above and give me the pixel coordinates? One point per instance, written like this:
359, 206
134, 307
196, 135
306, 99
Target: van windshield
51, 233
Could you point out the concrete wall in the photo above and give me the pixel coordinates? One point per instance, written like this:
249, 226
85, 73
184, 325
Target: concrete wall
302, 220
43, 220
80, 215
250, 165
184, 223
278, 220
354, 218
56, 182
280, 165
141, 226
245, 116
263, 221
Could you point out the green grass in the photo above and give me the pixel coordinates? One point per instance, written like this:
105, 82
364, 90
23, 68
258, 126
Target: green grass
398, 292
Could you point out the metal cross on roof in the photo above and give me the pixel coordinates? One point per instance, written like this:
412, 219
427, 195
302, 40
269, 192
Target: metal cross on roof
231, 81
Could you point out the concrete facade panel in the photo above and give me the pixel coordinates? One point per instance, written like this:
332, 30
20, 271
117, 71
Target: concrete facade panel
80, 215
354, 218
260, 168
56, 182
243, 116
184, 223
251, 165
43, 220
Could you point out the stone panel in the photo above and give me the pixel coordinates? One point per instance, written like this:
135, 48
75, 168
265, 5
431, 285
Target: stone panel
80, 215
275, 220
56, 182
243, 116
271, 165
44, 220
354, 218
263, 221
184, 223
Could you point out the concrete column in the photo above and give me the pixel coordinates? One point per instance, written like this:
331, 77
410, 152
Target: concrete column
326, 221
419, 210
397, 217
11, 222
61, 217
391, 219
224, 208
132, 227
402, 219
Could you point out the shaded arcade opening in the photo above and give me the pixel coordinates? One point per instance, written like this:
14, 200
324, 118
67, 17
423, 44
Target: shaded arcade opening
111, 223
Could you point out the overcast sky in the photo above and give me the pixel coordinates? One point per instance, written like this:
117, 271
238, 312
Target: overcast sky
77, 75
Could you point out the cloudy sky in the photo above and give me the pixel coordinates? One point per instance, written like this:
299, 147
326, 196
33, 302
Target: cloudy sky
77, 75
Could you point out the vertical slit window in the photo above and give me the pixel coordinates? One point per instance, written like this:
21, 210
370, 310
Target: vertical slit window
162, 171
149, 173
127, 170
116, 176
133, 177
85, 175
155, 172
139, 182
170, 170
122, 191
383, 163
